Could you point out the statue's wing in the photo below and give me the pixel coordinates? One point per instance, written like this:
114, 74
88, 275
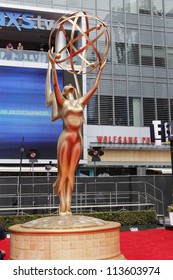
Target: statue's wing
50, 95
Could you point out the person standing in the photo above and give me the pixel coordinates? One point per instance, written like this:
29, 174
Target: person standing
9, 48
20, 49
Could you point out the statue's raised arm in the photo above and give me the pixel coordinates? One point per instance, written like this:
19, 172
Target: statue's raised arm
85, 99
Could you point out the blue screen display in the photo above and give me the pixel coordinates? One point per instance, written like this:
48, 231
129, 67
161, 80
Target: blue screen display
24, 117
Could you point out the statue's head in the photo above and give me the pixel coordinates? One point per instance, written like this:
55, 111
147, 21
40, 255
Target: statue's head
68, 89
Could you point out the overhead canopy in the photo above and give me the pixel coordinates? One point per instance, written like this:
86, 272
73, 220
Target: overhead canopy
161, 170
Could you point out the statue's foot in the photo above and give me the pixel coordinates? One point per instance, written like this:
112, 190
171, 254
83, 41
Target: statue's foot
63, 213
66, 213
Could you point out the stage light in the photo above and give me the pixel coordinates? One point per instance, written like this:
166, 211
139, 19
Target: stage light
33, 155
96, 153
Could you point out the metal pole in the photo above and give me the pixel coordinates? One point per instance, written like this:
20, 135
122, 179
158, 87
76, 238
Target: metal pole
76, 195
33, 191
116, 193
95, 176
20, 174
145, 192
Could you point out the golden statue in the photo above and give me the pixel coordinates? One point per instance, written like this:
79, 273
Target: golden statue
70, 104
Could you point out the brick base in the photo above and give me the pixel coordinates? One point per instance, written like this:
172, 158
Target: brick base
89, 243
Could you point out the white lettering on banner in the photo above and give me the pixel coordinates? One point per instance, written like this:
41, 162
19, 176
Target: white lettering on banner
123, 139
25, 21
24, 112
158, 132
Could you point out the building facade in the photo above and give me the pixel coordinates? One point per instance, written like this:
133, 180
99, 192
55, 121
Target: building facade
136, 87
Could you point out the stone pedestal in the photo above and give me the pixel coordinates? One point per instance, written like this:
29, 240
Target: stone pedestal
66, 237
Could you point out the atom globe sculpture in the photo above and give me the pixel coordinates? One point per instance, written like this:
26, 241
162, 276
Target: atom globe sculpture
83, 35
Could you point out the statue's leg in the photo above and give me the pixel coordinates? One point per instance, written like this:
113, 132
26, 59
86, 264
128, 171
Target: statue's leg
61, 183
62, 195
74, 159
70, 186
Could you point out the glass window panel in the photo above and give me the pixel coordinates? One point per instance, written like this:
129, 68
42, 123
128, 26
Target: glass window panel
118, 19
157, 7
170, 57
161, 73
145, 20
106, 110
104, 16
133, 54
89, 4
161, 90
169, 39
158, 22
117, 5
132, 36
171, 105
134, 71
148, 111
74, 3
146, 55
29, 1
159, 38
159, 56
119, 34
148, 89
168, 8
60, 3
120, 53
120, 88
120, 104
132, 19
171, 93
146, 37
131, 111
147, 71
102, 5
16, 1
120, 71
134, 88
105, 86
92, 110
162, 109
131, 6
169, 23
136, 107
45, 3
144, 6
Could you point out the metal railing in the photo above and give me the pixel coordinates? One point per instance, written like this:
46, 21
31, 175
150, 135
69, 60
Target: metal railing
87, 197
23, 55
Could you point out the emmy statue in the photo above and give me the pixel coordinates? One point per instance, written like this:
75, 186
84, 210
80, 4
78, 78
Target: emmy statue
66, 236
69, 104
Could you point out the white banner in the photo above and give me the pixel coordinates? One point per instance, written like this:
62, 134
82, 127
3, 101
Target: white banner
71, 269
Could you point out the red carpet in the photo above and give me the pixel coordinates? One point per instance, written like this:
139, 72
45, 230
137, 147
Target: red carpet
153, 244
5, 245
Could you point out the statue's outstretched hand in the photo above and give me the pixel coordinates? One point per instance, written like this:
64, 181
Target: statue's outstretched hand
51, 57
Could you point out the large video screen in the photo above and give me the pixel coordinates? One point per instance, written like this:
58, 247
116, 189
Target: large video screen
24, 118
